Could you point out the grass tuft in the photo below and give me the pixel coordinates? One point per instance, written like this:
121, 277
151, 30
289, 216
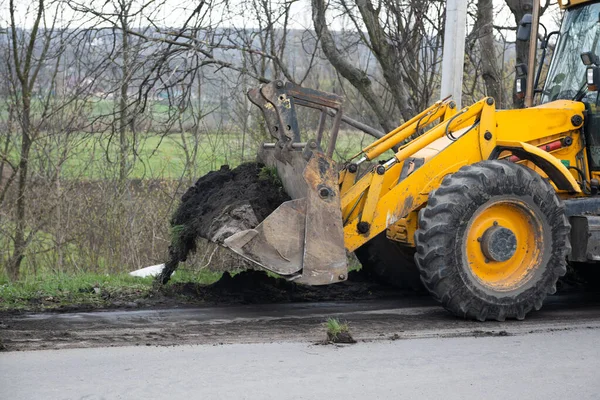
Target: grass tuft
269, 174
335, 328
338, 332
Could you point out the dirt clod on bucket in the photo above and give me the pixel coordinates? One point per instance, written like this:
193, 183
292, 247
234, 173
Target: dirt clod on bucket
220, 204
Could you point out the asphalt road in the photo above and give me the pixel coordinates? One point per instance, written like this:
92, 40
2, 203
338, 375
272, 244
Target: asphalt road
549, 365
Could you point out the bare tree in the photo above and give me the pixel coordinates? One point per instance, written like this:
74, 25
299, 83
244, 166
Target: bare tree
44, 107
405, 39
25, 66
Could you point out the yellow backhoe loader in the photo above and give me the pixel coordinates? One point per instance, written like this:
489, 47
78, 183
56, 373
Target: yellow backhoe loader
493, 204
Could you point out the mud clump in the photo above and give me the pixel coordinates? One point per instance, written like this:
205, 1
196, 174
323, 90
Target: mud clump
340, 338
220, 204
480, 333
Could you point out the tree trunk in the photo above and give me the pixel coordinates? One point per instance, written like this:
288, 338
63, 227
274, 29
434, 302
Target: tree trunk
519, 8
123, 143
487, 44
26, 71
20, 243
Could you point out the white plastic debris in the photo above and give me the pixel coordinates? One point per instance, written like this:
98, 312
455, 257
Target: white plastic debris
152, 270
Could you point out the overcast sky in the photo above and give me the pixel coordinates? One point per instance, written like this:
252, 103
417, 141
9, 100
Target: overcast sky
174, 11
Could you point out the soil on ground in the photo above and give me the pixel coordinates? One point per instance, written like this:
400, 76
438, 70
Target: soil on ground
257, 287
220, 204
385, 319
246, 287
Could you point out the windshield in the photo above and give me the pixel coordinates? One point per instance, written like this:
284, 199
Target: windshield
579, 33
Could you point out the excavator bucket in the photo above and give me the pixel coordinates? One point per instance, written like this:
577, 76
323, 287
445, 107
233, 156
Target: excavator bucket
303, 238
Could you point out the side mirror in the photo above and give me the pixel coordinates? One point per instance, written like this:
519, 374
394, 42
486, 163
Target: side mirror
524, 31
589, 58
592, 75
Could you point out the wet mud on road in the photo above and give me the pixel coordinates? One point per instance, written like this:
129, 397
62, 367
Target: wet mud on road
369, 320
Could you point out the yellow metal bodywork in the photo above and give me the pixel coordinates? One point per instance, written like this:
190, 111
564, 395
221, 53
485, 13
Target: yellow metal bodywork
452, 139
573, 3
403, 231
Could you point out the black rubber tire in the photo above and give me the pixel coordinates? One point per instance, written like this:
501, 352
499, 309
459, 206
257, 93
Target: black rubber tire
389, 263
444, 221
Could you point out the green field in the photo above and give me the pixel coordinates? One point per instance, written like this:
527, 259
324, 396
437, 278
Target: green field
93, 157
151, 155
156, 157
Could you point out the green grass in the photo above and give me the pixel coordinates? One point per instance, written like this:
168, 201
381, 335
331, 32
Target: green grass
54, 291
269, 174
335, 328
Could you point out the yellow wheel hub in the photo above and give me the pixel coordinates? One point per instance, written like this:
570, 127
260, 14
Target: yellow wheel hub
504, 244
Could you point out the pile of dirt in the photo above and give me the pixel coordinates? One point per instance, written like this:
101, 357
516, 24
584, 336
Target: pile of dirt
220, 204
257, 287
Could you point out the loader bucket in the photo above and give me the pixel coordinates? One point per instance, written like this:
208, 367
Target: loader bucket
303, 239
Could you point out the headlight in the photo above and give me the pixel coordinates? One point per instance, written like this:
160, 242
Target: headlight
520, 86
592, 77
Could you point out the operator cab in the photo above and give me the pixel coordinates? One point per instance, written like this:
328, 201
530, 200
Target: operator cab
574, 74
576, 52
